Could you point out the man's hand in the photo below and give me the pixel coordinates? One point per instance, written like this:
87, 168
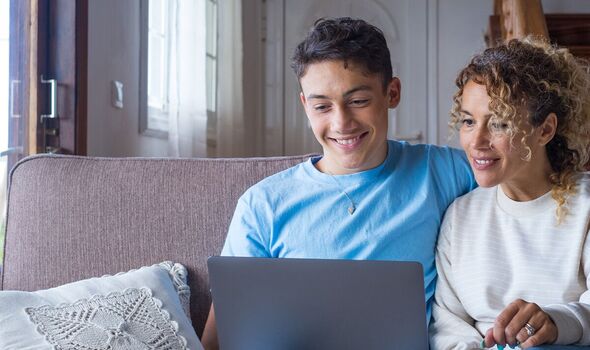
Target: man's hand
521, 323
209, 338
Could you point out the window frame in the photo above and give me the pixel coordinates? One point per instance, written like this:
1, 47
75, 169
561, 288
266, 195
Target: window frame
145, 111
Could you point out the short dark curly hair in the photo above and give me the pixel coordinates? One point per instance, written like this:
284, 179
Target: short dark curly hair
345, 39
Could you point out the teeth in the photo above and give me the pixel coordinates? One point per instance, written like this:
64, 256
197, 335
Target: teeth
347, 141
483, 161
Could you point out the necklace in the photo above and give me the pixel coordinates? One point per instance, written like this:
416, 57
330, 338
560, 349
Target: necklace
352, 206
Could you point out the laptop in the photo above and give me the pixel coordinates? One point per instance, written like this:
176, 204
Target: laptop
305, 304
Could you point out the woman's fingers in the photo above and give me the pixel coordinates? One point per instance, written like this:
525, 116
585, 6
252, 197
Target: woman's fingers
502, 321
540, 330
508, 323
488, 340
521, 323
526, 312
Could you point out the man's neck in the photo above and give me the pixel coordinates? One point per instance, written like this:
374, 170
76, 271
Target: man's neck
332, 167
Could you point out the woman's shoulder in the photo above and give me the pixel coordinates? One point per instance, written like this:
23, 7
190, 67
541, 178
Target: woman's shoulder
584, 179
475, 197
583, 186
470, 205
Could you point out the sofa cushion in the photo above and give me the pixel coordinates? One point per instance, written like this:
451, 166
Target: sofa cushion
125, 311
71, 218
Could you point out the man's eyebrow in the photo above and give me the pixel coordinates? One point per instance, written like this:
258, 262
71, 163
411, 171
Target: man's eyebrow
312, 96
358, 88
346, 94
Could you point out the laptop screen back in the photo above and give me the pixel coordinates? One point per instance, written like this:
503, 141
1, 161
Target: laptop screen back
318, 304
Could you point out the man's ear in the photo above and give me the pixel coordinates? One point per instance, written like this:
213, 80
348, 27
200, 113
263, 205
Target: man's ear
548, 129
303, 102
394, 92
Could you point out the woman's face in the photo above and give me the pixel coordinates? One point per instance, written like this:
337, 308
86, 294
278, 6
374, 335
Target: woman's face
496, 160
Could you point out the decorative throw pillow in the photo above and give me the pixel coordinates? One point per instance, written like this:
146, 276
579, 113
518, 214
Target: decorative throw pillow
145, 308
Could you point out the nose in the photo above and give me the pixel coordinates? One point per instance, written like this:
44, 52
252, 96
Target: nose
481, 137
343, 120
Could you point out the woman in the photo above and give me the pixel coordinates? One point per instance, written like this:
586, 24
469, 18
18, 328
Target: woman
512, 256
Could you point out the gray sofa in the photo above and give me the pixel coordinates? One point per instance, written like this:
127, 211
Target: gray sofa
71, 218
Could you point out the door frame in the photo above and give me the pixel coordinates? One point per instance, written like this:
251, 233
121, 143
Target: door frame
49, 38
63, 55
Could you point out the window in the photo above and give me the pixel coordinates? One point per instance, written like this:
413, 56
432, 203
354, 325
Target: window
159, 20
158, 65
211, 7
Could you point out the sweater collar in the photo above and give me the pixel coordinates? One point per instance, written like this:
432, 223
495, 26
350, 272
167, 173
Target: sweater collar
542, 205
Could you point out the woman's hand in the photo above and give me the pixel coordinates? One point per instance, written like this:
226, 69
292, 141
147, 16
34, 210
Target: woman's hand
521, 323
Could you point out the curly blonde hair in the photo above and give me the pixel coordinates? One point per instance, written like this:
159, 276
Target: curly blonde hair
534, 76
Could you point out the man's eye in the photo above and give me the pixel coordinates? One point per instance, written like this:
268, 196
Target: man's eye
320, 108
359, 102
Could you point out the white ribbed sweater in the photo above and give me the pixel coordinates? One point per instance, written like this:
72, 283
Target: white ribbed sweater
493, 250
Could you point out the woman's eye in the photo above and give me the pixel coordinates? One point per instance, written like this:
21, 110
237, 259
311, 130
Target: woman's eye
467, 121
498, 126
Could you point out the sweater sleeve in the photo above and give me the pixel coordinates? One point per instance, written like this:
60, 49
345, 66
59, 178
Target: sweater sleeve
573, 319
451, 328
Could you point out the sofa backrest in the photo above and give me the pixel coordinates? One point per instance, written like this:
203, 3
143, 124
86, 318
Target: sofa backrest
71, 218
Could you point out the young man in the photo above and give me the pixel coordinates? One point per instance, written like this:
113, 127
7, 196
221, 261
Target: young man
366, 197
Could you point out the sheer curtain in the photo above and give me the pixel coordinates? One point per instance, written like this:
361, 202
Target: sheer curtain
187, 121
231, 128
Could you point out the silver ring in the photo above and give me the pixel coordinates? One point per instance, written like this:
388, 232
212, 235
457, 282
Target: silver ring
530, 330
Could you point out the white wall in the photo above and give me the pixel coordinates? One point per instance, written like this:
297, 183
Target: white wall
113, 54
461, 27
566, 6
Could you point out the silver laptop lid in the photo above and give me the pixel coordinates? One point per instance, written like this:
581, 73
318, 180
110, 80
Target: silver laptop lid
283, 304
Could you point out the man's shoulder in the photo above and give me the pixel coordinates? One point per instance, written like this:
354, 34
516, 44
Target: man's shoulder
438, 159
281, 180
428, 151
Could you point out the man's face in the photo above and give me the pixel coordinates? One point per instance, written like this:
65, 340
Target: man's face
347, 110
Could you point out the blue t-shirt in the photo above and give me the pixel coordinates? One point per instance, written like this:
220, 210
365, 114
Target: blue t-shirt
304, 213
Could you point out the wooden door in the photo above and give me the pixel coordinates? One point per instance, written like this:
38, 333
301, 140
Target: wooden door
22, 43
63, 32
48, 57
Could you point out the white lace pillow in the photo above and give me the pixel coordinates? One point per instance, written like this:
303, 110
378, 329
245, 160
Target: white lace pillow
140, 309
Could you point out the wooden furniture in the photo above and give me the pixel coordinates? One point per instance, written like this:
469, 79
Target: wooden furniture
519, 18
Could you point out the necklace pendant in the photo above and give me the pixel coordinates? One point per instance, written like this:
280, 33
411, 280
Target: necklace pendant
351, 209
